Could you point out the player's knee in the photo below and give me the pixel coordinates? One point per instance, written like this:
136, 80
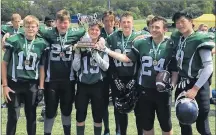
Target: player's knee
50, 113
66, 111
148, 126
166, 127
80, 116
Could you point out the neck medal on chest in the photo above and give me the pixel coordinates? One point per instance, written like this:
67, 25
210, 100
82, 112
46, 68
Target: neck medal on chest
155, 51
63, 39
27, 49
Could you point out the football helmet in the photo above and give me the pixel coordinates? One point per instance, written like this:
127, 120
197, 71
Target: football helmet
126, 103
163, 81
187, 109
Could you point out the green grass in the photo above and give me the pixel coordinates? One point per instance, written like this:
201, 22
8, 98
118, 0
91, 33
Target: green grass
58, 130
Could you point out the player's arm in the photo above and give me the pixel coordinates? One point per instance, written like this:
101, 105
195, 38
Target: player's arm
116, 55
77, 60
103, 63
206, 57
4, 64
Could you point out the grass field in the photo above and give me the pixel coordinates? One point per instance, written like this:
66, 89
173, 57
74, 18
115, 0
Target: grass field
58, 130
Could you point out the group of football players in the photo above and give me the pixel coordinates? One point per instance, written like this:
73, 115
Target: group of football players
139, 68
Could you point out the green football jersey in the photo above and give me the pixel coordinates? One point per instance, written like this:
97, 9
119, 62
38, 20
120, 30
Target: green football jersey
90, 72
9, 29
119, 43
59, 62
152, 62
189, 61
104, 33
24, 57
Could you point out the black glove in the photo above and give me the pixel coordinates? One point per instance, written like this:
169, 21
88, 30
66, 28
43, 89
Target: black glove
40, 94
120, 86
131, 84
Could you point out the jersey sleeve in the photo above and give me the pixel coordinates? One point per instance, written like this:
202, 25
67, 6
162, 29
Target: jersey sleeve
133, 55
7, 55
78, 32
11, 42
3, 30
207, 41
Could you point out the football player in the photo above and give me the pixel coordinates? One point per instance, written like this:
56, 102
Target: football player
7, 30
20, 73
195, 66
90, 66
49, 23
59, 72
108, 20
121, 42
155, 54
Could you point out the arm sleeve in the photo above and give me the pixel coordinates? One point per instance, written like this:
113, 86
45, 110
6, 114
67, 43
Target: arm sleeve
206, 57
102, 63
76, 62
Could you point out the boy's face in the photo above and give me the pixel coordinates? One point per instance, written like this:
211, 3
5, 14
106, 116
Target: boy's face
31, 29
126, 24
94, 32
183, 24
16, 22
157, 29
108, 22
62, 26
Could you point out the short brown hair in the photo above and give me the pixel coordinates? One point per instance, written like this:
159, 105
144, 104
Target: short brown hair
63, 15
126, 14
96, 23
30, 19
110, 14
15, 16
148, 19
159, 18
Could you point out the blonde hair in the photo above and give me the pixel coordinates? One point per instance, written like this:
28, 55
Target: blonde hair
15, 16
63, 15
30, 19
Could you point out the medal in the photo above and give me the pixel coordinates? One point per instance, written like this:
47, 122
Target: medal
27, 62
27, 49
155, 63
61, 54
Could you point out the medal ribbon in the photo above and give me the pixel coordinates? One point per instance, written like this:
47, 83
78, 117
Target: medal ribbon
155, 48
28, 47
125, 44
63, 41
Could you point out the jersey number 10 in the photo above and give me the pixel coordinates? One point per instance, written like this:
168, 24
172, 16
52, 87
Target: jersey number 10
21, 61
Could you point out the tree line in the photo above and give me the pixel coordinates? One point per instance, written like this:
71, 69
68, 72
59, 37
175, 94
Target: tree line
139, 8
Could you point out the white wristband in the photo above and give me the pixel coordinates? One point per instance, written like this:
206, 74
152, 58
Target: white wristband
107, 50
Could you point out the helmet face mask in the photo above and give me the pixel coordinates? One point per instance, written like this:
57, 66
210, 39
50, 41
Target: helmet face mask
187, 109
